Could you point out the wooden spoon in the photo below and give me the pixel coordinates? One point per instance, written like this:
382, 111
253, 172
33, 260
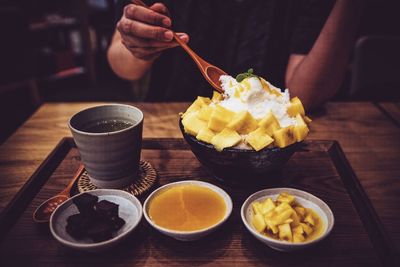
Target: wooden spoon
43, 212
210, 72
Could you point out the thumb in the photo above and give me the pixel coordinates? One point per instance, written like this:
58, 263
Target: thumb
183, 36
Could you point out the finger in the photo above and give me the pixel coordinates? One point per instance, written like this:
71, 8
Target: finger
142, 30
141, 52
160, 8
183, 36
146, 54
151, 57
146, 15
141, 42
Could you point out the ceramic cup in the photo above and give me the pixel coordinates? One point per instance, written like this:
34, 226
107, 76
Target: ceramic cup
110, 158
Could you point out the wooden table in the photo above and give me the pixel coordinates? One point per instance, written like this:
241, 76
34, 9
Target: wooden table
370, 140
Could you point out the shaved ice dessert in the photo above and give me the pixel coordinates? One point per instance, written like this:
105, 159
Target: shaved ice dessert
250, 114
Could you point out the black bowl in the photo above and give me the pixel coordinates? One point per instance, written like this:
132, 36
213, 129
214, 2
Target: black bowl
238, 166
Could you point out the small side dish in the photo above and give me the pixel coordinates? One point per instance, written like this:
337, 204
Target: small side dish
274, 215
194, 208
187, 210
285, 219
97, 220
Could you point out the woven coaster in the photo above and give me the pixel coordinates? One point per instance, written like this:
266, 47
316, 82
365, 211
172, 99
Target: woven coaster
147, 178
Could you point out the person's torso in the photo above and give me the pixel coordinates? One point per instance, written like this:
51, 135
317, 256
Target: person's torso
234, 35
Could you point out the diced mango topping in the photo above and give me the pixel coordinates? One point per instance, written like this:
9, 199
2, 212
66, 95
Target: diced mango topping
206, 119
285, 219
205, 113
216, 97
259, 139
308, 120
284, 137
296, 107
243, 123
268, 89
192, 124
198, 104
220, 117
259, 223
226, 138
205, 135
270, 124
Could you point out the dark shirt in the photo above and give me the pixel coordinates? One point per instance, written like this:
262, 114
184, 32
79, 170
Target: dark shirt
234, 35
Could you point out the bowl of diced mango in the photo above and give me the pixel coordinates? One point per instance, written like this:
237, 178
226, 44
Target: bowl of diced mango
236, 146
287, 219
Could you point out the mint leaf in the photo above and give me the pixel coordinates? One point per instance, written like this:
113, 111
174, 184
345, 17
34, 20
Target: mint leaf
241, 76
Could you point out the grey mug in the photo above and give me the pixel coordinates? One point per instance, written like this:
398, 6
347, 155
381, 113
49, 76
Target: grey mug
110, 158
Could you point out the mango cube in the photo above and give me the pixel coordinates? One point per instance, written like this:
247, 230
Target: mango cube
226, 138
259, 223
270, 225
296, 107
204, 101
285, 233
205, 113
298, 230
220, 117
284, 137
309, 219
308, 120
300, 131
243, 122
259, 139
192, 124
216, 97
270, 124
301, 212
306, 228
282, 207
198, 104
285, 197
205, 135
266, 87
296, 220
298, 238
267, 205
257, 207
281, 217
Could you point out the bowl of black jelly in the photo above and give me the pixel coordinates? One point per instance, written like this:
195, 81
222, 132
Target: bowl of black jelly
96, 220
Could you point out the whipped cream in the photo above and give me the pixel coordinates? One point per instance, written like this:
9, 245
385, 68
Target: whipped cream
258, 97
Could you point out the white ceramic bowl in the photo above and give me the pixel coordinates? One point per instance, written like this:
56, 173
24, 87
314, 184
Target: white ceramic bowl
188, 235
305, 199
130, 210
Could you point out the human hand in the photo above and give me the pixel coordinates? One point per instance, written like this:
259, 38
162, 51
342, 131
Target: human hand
146, 32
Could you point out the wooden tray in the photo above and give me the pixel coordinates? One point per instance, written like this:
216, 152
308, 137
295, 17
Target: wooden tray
321, 169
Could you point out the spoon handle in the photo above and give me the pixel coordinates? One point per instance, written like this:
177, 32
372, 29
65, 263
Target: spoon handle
201, 63
78, 173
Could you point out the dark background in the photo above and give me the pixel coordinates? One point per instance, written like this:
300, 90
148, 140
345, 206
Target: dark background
55, 50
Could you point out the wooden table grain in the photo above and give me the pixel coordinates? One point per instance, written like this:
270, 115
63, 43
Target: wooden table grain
369, 139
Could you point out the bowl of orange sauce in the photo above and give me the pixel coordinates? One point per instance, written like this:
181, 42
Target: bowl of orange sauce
187, 210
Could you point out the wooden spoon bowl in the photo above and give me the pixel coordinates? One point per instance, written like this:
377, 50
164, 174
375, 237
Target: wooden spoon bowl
43, 212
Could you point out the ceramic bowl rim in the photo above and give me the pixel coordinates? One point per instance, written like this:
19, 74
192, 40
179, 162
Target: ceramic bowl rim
213, 187
72, 128
106, 242
273, 241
